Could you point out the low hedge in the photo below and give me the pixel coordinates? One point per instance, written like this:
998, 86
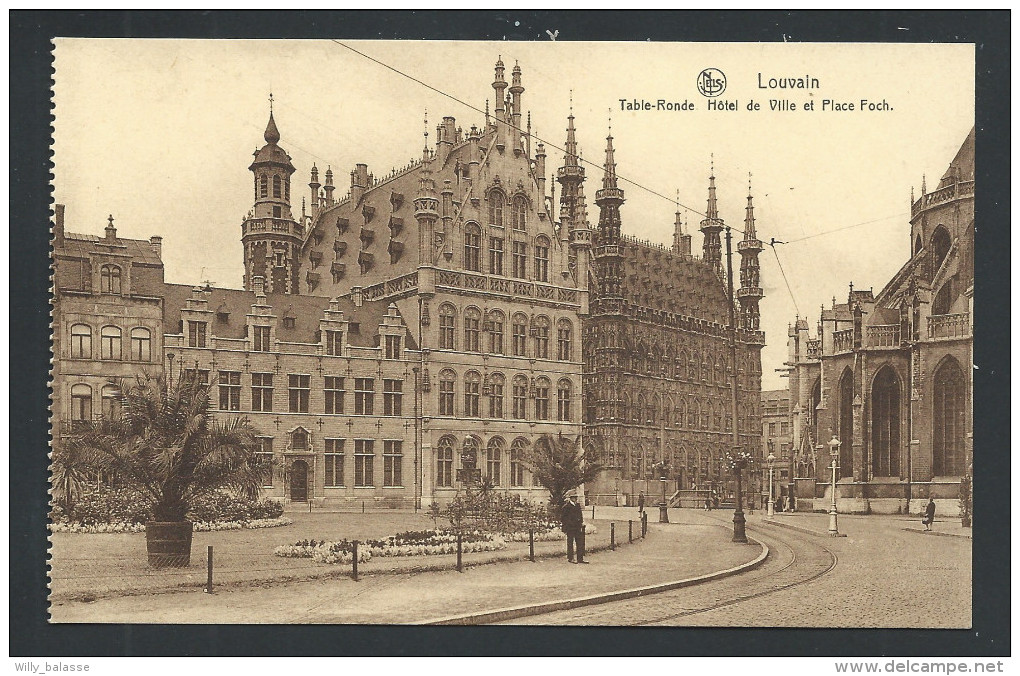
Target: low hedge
105, 505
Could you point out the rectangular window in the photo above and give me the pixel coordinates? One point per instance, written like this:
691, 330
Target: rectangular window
444, 465
334, 343
520, 338
471, 396
364, 460
516, 467
393, 460
230, 390
334, 462
496, 400
299, 387
261, 343
541, 402
393, 347
520, 260
772, 429
445, 396
496, 255
264, 457
393, 397
495, 326
784, 428
542, 263
520, 400
201, 376
563, 344
542, 342
364, 396
334, 390
262, 391
196, 334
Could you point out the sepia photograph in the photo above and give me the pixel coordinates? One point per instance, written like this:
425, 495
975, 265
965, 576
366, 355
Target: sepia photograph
628, 334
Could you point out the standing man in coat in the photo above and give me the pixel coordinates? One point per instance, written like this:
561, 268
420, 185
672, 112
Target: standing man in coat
573, 527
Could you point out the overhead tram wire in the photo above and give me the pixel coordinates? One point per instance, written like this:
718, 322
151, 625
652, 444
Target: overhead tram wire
781, 270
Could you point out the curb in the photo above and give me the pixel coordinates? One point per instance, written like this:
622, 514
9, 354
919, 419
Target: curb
935, 532
799, 529
513, 613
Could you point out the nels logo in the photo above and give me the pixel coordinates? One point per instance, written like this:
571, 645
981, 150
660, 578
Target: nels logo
711, 82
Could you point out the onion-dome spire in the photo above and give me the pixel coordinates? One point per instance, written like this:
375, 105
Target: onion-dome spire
272, 134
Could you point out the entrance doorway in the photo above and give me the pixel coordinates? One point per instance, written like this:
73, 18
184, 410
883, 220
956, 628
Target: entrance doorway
299, 481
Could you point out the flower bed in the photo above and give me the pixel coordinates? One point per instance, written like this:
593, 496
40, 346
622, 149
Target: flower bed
199, 526
549, 533
415, 543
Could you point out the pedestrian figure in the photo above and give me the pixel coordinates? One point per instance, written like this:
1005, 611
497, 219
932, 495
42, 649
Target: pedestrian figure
641, 503
715, 500
708, 504
929, 514
573, 527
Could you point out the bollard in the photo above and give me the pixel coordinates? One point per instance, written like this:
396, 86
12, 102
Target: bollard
354, 561
593, 510
612, 536
630, 531
644, 524
362, 506
531, 544
208, 578
309, 505
460, 568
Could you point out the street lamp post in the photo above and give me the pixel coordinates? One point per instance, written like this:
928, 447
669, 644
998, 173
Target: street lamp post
739, 533
772, 462
660, 467
833, 518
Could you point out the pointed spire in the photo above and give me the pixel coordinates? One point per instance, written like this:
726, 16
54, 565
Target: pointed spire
570, 160
924, 188
749, 233
713, 208
609, 177
272, 134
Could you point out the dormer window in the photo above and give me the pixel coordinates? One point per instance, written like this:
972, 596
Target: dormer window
288, 322
109, 279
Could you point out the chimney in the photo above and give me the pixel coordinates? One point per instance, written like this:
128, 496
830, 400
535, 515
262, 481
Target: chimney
359, 183
357, 296
58, 225
156, 242
258, 285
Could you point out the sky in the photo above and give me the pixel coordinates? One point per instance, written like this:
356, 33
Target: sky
159, 133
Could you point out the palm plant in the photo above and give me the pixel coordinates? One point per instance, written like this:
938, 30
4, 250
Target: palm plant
73, 469
560, 465
166, 445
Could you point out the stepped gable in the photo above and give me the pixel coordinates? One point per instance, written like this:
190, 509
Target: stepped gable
307, 311
656, 277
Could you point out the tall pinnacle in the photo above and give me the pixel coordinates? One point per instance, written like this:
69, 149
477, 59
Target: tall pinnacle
713, 208
571, 146
609, 177
749, 233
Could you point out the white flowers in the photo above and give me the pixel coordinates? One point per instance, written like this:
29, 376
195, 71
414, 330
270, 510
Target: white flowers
424, 543
198, 526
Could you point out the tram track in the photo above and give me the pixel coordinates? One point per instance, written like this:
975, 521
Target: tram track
794, 560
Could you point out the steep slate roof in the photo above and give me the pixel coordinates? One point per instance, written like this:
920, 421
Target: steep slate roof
306, 311
79, 246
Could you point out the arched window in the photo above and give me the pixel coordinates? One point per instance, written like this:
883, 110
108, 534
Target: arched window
704, 415
564, 337
286, 189
950, 411
472, 329
494, 459
109, 279
681, 413
692, 415
718, 371
519, 212
472, 394
692, 366
141, 344
447, 321
917, 244
667, 412
563, 398
473, 247
940, 245
264, 186
497, 383
681, 365
717, 416
447, 378
885, 423
81, 341
542, 258
943, 299
495, 327
276, 187
444, 461
520, 335
496, 202
518, 449
520, 398
111, 402
846, 424
542, 398
541, 329
110, 343
81, 402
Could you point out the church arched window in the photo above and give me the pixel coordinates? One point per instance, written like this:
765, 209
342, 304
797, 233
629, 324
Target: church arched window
276, 187
264, 186
497, 200
518, 212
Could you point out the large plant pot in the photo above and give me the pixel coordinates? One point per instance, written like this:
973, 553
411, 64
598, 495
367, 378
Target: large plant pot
168, 543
